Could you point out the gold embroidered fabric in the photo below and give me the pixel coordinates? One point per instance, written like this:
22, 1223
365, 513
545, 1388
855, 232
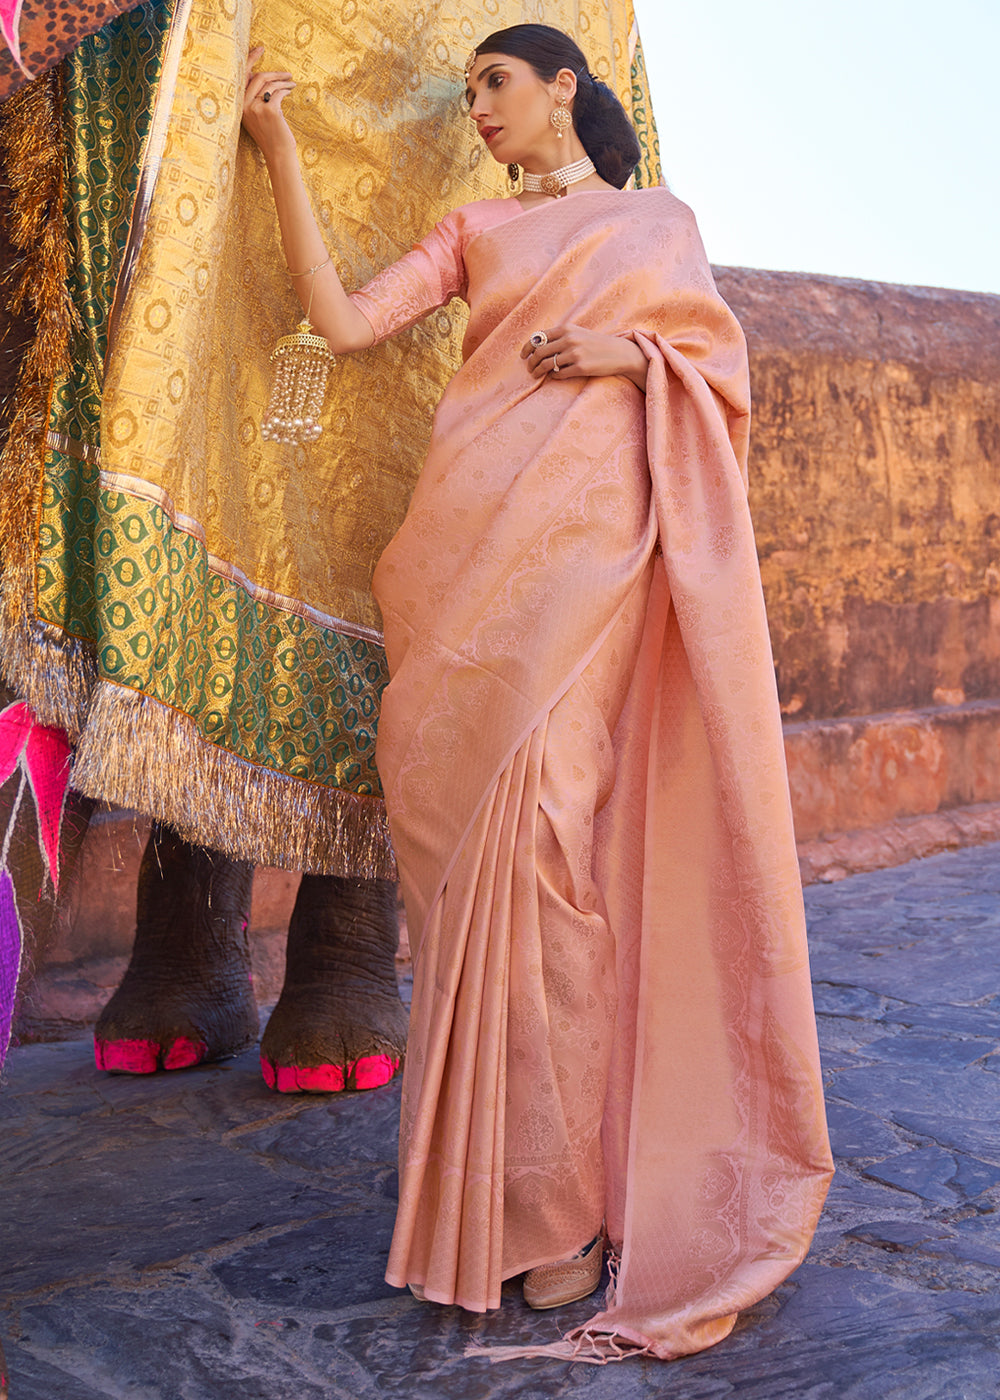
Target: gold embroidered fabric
387, 150
216, 587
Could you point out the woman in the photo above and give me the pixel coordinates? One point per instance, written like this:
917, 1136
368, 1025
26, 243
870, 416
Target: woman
580, 746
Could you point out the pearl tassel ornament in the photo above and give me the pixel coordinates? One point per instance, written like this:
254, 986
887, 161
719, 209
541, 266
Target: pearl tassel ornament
302, 363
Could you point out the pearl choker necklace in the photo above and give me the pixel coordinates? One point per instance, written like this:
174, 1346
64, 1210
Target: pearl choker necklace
557, 181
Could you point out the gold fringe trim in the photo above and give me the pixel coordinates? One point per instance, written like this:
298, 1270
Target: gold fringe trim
139, 753
51, 671
32, 149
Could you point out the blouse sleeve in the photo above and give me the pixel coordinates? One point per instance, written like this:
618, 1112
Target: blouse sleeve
422, 280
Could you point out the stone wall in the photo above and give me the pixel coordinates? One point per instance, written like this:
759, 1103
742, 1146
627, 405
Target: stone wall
875, 486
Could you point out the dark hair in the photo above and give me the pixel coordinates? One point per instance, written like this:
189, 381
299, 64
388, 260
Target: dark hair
599, 119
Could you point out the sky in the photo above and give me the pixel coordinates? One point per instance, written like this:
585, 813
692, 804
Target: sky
859, 138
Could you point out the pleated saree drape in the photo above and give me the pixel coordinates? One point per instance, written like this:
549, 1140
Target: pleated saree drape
581, 753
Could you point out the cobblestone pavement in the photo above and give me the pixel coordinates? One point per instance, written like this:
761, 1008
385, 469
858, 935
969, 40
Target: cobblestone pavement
194, 1237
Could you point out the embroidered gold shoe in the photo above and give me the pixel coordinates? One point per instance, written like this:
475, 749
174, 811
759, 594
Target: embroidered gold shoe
552, 1285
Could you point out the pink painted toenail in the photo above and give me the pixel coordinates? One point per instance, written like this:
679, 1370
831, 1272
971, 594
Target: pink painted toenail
317, 1079
372, 1071
127, 1056
303, 1079
184, 1053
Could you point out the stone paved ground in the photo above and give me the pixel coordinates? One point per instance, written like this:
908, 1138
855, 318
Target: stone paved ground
194, 1237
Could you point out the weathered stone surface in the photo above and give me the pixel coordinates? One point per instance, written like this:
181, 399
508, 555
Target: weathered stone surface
867, 773
855, 1133
195, 1236
875, 481
894, 843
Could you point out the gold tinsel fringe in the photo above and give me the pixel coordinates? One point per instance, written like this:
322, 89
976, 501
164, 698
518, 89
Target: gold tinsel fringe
51, 671
141, 754
31, 147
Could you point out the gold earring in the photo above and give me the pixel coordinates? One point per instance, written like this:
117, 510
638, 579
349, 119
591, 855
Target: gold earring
561, 117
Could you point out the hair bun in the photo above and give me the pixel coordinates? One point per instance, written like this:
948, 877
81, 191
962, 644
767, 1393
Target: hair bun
605, 132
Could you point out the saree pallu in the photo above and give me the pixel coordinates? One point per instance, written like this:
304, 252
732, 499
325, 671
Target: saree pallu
581, 753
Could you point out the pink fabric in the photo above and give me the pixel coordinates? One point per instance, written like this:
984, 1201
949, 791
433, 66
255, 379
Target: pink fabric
581, 750
45, 756
10, 23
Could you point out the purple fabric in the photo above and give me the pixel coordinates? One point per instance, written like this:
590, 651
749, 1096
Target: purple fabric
10, 959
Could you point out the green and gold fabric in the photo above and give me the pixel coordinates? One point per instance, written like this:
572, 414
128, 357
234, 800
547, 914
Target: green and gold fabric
191, 601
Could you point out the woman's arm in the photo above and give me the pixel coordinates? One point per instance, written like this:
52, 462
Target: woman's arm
332, 313
571, 352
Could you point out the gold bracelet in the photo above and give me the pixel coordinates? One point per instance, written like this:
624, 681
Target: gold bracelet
308, 270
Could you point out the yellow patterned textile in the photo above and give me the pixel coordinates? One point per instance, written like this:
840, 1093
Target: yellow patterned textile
220, 583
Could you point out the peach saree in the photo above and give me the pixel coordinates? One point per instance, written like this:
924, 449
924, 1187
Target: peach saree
582, 759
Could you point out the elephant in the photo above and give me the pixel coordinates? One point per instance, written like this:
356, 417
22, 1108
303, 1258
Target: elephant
186, 996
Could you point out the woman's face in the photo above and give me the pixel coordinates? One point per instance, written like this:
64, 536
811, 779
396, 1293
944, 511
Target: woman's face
511, 106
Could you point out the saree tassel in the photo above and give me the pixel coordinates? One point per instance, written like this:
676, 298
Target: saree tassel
591, 1348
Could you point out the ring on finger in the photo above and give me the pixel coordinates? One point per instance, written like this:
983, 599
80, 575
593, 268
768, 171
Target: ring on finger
266, 97
538, 339
555, 364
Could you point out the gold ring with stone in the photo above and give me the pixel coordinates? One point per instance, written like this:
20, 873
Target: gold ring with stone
538, 339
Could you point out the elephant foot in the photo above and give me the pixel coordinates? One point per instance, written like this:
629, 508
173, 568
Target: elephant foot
187, 995
339, 1023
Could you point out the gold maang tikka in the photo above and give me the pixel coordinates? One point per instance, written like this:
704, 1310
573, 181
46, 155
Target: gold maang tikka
302, 363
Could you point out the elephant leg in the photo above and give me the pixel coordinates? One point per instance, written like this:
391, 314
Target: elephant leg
339, 1023
187, 994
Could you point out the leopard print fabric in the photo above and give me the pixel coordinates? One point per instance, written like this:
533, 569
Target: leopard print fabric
49, 30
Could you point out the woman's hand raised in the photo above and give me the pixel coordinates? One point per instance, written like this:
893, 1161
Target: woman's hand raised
572, 352
263, 118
